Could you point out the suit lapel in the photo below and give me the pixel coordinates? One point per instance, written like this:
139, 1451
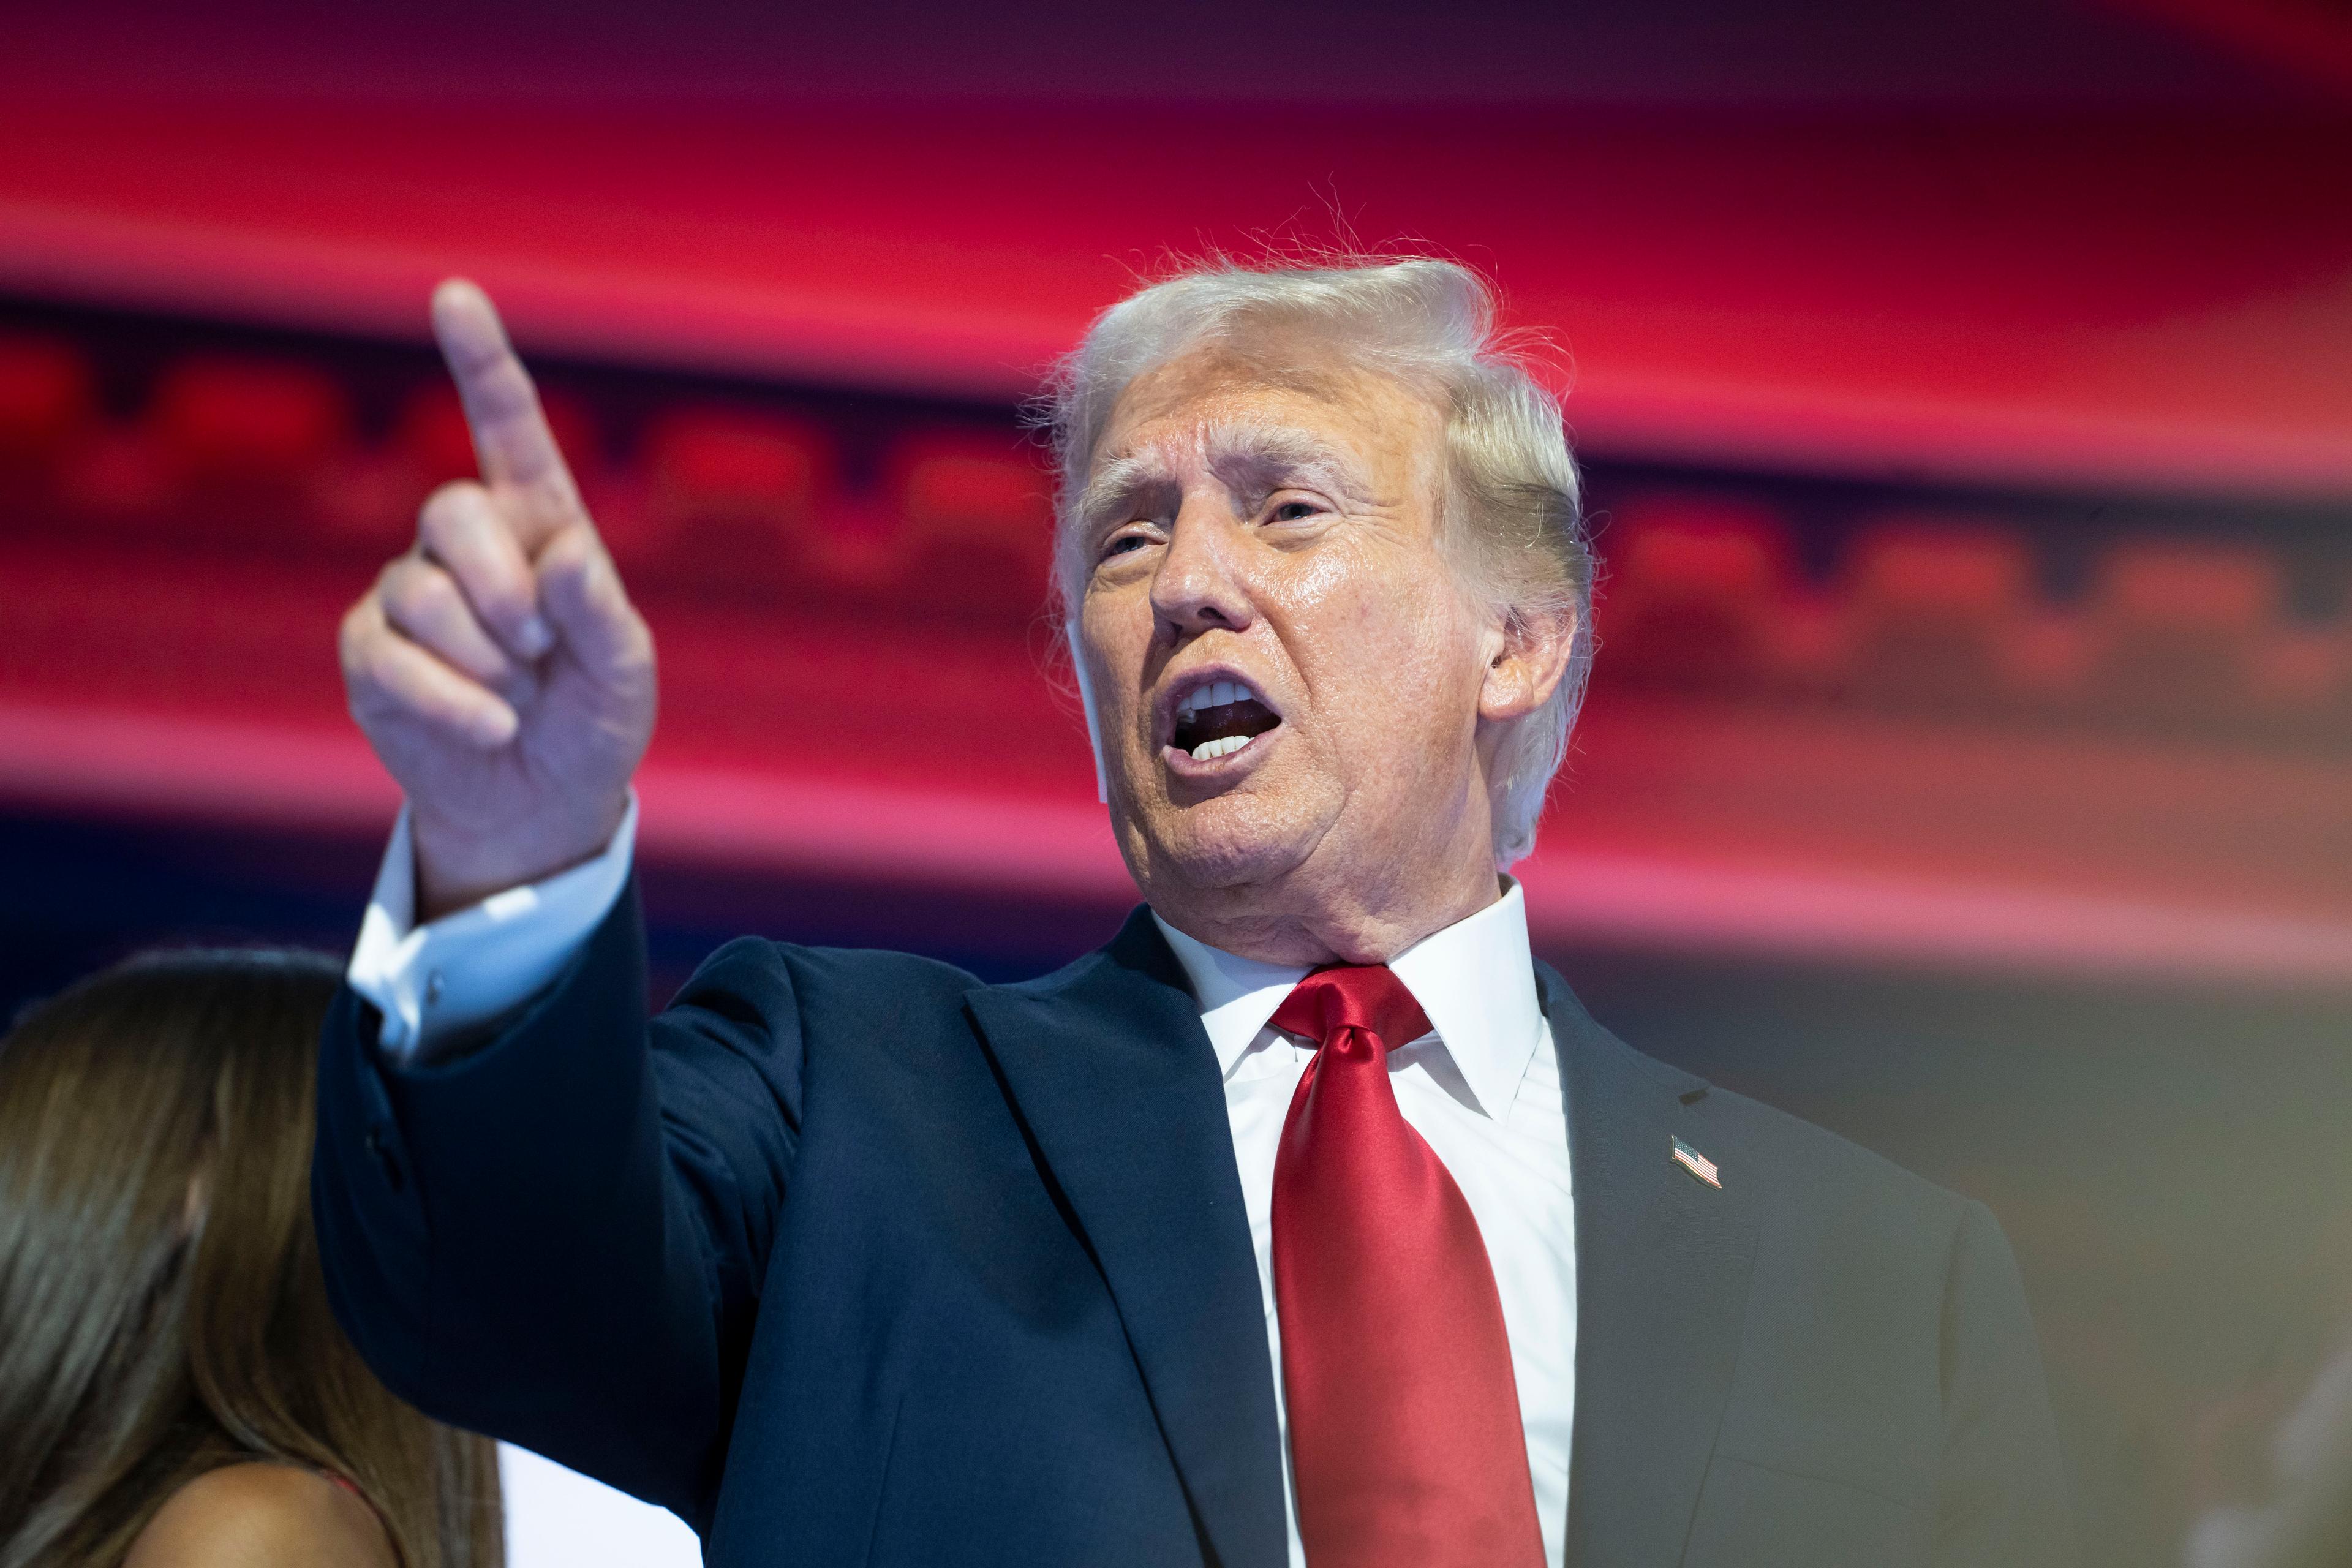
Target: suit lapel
1110, 1068
1662, 1272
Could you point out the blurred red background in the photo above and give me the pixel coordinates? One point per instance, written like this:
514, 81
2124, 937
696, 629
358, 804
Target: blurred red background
1966, 392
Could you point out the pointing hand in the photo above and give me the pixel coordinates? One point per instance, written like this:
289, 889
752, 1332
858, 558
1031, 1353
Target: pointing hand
498, 667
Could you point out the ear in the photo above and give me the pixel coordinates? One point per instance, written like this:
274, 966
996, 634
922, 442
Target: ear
1526, 660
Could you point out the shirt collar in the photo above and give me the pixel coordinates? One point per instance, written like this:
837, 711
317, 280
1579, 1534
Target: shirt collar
1475, 980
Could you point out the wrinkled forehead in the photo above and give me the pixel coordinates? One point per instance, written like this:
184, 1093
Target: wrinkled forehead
1238, 412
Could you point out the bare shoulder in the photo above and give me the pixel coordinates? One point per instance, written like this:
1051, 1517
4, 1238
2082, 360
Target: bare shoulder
261, 1515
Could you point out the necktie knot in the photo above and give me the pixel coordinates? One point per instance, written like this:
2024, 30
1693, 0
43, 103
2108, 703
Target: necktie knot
1367, 996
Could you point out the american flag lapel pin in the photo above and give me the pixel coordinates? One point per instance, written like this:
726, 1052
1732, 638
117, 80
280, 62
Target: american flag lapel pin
1698, 1165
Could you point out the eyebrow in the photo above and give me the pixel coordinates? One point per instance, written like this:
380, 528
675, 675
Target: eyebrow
1250, 460
1120, 490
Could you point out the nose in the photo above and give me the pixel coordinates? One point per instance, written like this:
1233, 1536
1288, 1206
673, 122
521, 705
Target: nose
1200, 584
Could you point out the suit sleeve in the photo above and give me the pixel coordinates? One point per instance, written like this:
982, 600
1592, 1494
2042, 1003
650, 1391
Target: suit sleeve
2001, 1498
557, 1238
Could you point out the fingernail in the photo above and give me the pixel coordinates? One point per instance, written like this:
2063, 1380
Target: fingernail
536, 638
496, 727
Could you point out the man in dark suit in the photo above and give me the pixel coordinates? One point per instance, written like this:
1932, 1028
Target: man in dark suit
1309, 1220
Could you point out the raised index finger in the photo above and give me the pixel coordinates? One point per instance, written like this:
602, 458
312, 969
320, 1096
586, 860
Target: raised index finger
516, 448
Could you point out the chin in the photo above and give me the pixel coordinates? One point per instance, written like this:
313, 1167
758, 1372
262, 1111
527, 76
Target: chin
1231, 842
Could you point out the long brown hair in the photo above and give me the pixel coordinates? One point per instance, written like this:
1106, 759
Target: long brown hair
162, 1308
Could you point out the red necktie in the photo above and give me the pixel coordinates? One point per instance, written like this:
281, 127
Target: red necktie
1405, 1437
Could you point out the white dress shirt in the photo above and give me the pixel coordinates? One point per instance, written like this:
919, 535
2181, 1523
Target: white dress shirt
1482, 1088
434, 982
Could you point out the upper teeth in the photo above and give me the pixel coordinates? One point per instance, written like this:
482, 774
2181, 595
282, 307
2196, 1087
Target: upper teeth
1215, 694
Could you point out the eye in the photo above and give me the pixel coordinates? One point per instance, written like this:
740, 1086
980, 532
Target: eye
1124, 544
1298, 511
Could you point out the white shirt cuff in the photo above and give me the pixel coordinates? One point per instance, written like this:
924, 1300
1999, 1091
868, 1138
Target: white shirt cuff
437, 982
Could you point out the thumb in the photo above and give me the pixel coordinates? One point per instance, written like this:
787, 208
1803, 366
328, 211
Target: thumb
580, 594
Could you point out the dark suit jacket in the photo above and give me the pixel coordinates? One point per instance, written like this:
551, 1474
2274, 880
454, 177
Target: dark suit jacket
849, 1258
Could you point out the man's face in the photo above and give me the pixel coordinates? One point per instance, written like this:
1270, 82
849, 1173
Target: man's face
1287, 677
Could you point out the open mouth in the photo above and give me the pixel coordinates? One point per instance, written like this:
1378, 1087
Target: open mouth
1218, 718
